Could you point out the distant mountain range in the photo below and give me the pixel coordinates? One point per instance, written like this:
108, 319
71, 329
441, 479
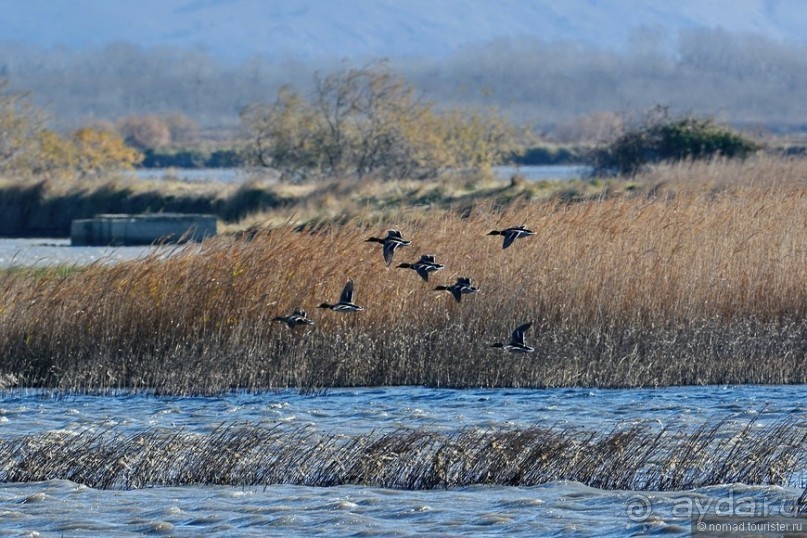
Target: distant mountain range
327, 29
544, 62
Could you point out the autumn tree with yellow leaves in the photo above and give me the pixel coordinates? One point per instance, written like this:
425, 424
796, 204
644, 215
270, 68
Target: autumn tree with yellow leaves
29, 148
99, 150
367, 122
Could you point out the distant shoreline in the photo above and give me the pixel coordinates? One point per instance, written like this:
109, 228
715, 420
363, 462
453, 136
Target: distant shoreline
40, 208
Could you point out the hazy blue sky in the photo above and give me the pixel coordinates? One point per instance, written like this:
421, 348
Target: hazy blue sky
357, 28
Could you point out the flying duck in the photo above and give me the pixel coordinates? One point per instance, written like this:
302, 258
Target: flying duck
298, 317
424, 266
345, 303
511, 234
459, 288
393, 240
516, 344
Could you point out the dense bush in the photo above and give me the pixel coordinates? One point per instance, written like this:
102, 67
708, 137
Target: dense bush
548, 155
663, 138
190, 158
157, 132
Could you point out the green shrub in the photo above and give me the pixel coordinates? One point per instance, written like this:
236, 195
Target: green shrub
663, 138
190, 158
548, 155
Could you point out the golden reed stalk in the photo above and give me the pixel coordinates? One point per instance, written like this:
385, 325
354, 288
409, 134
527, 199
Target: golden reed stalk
698, 277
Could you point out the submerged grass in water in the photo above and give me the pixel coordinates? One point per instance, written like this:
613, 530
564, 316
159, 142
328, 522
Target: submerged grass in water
633, 457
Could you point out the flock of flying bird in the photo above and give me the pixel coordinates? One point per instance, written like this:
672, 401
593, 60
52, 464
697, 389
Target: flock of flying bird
425, 265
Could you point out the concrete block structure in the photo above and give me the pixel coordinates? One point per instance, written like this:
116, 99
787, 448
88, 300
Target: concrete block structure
147, 229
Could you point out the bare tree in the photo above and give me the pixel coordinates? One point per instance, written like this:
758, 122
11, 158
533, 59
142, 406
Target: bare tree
367, 121
20, 126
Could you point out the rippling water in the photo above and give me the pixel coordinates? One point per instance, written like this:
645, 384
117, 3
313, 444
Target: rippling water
59, 507
353, 411
233, 175
39, 252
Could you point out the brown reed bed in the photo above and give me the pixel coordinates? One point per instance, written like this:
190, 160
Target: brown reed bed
685, 282
628, 457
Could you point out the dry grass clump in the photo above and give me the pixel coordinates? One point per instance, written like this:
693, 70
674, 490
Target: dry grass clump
688, 283
635, 457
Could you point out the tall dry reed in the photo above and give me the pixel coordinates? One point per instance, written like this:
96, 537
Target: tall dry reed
685, 282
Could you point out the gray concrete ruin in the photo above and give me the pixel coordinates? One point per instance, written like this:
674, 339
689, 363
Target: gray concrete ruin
129, 230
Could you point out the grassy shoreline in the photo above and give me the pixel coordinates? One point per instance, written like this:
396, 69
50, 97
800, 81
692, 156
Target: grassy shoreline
687, 281
45, 208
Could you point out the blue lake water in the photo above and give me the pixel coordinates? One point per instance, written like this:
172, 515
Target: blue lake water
64, 508
42, 252
543, 173
233, 175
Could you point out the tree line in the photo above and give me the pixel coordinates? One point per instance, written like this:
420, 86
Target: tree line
358, 122
746, 79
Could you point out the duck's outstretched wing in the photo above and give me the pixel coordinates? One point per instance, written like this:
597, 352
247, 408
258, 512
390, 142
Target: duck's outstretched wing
389, 251
427, 258
518, 334
509, 237
347, 293
423, 271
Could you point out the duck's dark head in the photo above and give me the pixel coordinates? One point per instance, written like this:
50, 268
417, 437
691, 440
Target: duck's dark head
324, 305
495, 232
497, 345
404, 266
